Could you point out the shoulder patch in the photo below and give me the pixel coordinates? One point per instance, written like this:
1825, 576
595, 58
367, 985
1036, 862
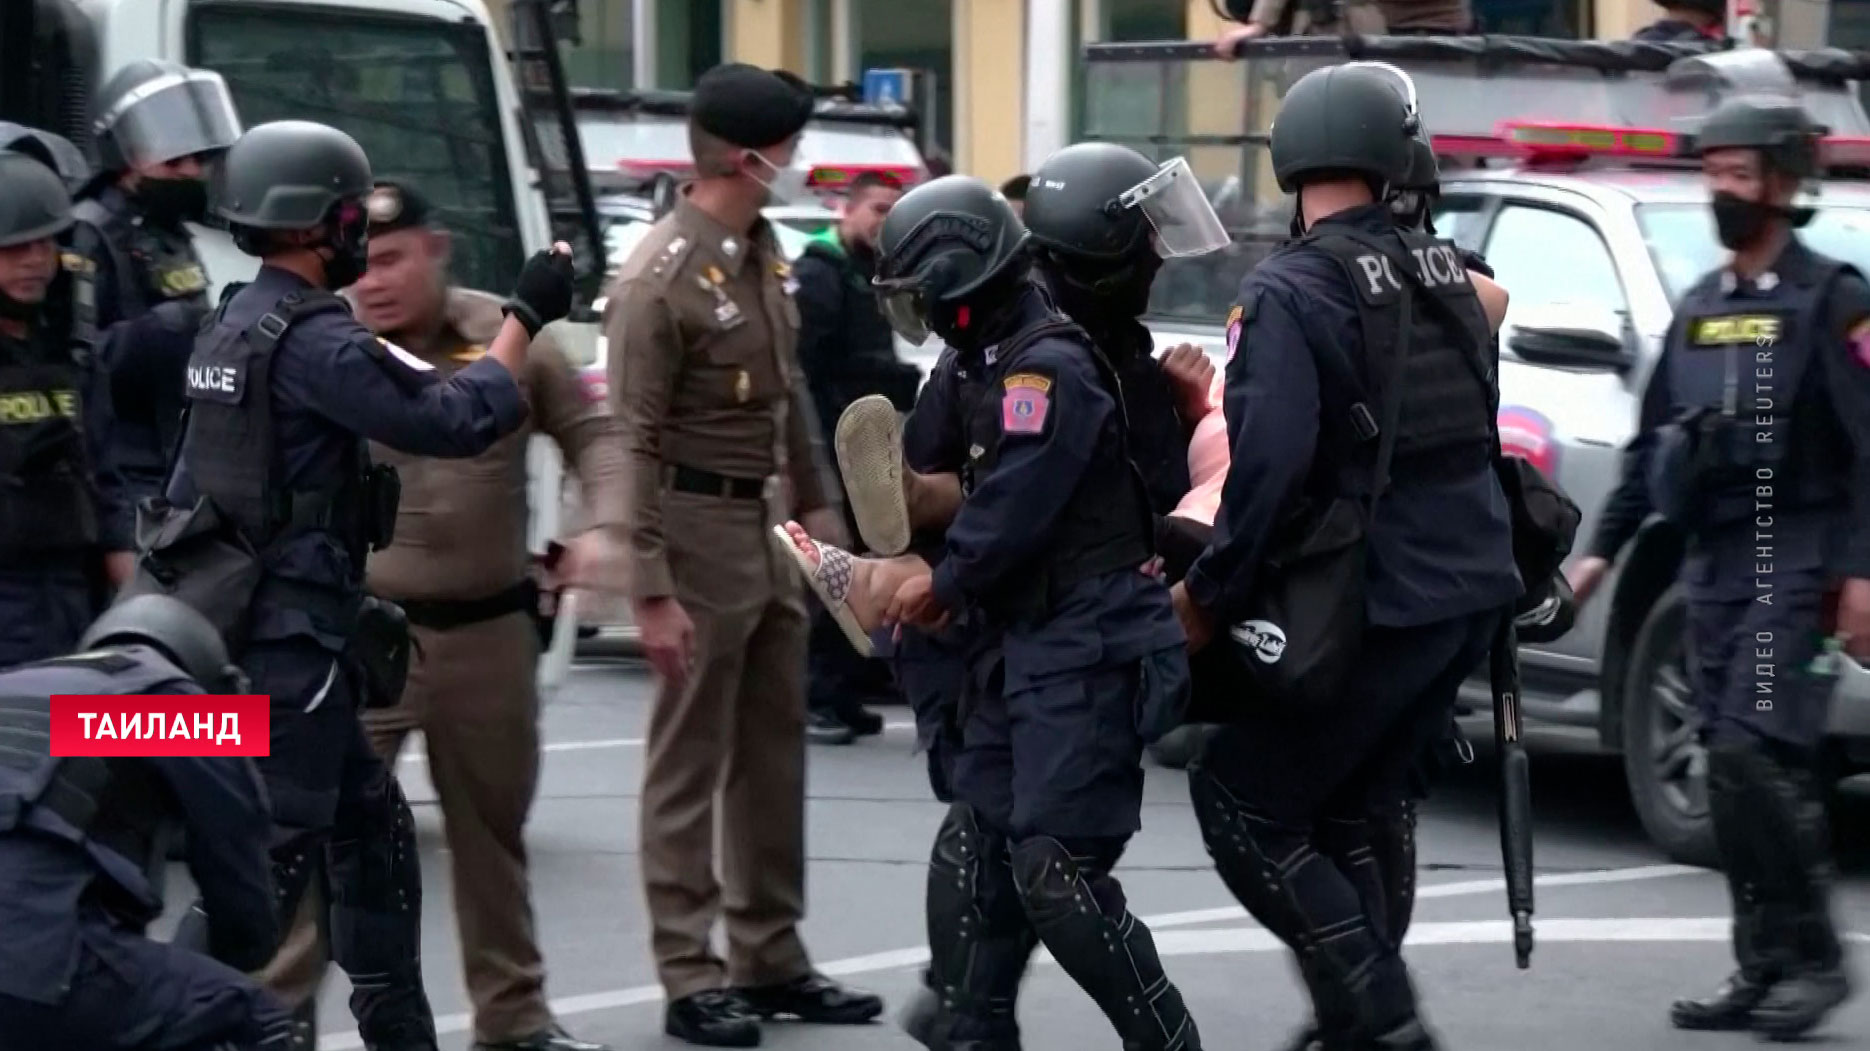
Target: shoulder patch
1026, 403
76, 263
1860, 341
470, 353
405, 357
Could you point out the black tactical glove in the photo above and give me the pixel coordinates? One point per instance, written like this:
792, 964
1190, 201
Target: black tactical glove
542, 294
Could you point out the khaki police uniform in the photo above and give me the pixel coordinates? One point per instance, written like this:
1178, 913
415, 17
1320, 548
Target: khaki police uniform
722, 446
460, 546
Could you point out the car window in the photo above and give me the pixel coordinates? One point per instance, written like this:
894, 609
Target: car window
1544, 256
1681, 240
1461, 218
608, 140
417, 95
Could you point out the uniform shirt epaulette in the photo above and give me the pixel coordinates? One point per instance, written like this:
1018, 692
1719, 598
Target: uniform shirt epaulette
661, 256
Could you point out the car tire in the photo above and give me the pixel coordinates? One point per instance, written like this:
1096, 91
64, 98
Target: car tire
1663, 762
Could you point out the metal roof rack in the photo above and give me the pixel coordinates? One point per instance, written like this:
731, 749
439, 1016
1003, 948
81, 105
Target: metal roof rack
839, 103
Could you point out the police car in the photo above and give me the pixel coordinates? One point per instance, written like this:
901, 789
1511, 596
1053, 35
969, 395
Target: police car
1596, 224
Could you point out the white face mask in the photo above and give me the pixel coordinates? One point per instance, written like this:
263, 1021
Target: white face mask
784, 185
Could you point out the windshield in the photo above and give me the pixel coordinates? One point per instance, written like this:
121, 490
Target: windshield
639, 139
1682, 242
417, 94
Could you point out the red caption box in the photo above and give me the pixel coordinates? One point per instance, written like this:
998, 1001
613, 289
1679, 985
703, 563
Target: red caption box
183, 725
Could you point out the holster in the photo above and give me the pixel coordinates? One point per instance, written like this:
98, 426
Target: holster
381, 649
382, 495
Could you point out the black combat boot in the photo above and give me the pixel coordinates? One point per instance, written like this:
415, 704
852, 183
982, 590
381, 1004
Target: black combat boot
1731, 1006
1816, 980
1409, 1036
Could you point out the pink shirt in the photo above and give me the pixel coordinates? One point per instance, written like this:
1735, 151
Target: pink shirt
1208, 457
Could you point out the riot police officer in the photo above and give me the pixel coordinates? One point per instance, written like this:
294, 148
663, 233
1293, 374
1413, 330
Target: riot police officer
1044, 557
61, 523
274, 505
66, 158
82, 856
1353, 296
1754, 439
158, 126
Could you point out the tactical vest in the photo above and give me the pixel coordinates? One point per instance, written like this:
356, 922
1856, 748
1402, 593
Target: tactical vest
150, 267
120, 804
1736, 368
48, 503
1106, 525
1445, 424
229, 441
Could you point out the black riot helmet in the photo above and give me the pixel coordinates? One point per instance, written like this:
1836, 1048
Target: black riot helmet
1778, 127
152, 111
297, 175
1104, 202
174, 628
34, 203
1354, 118
1415, 193
943, 243
55, 151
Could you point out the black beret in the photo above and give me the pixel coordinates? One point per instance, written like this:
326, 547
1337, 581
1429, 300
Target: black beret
395, 205
751, 107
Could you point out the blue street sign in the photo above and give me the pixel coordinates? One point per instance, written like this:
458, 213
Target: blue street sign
886, 86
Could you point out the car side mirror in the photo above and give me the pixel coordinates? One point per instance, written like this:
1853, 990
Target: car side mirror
1571, 335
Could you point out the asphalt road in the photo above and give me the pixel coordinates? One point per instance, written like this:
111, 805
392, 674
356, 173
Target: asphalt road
1620, 931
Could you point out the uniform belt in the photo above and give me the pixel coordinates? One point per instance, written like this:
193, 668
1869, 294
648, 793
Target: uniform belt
448, 614
706, 483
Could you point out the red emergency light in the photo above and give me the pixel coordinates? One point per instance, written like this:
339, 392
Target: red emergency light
836, 177
1555, 140
1844, 151
636, 167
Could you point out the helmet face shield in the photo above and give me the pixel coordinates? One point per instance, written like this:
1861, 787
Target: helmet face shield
172, 117
1178, 210
905, 309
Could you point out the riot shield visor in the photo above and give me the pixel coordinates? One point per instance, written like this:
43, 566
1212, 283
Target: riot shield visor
173, 117
1178, 209
905, 308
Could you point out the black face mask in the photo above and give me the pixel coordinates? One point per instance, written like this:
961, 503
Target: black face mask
350, 249
1740, 222
171, 202
1107, 299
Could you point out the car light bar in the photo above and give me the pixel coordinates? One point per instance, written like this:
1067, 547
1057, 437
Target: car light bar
1540, 138
839, 176
1545, 141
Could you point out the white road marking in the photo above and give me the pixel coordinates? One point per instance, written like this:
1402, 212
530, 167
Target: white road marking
615, 742
1243, 939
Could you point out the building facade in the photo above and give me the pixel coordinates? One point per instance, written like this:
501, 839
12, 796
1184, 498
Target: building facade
1004, 72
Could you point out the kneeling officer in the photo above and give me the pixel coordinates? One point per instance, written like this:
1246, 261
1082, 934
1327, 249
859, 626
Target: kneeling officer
1082, 661
83, 849
274, 506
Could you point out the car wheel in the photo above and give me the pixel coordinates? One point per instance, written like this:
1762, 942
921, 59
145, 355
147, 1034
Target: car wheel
1663, 758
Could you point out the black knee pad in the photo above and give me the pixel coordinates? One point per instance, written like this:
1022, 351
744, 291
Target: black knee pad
979, 938
1080, 914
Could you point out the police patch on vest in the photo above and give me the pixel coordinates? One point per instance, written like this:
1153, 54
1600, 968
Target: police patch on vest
1860, 342
37, 406
183, 280
1729, 330
222, 383
1235, 324
1024, 407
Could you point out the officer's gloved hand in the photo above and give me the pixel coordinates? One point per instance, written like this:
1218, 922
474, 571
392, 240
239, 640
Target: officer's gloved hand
543, 292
